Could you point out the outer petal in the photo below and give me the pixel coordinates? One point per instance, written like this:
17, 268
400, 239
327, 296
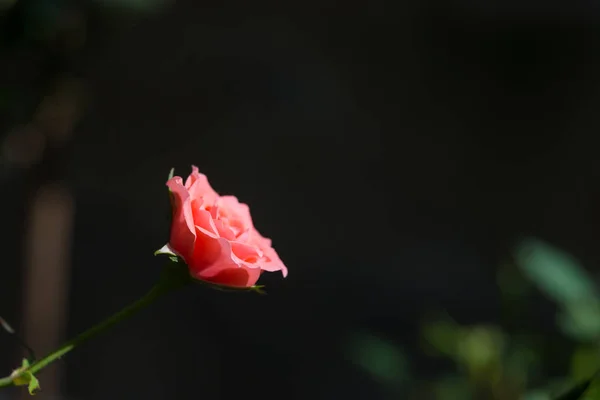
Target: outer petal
183, 232
271, 261
211, 254
258, 239
239, 277
198, 186
214, 261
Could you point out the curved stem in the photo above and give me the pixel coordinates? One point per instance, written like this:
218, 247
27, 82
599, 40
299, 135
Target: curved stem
172, 279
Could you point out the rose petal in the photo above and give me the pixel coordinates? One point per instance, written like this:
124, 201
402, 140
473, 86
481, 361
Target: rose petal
203, 219
224, 229
198, 186
246, 252
258, 239
237, 213
237, 277
272, 262
213, 261
211, 254
183, 232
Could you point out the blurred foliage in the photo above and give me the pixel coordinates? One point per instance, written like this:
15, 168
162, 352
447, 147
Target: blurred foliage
566, 282
510, 362
383, 360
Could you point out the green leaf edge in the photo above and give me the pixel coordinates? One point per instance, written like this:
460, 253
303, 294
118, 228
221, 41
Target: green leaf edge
579, 391
34, 384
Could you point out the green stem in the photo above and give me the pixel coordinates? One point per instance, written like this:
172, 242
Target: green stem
172, 279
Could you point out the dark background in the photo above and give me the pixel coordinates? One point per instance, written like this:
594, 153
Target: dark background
393, 151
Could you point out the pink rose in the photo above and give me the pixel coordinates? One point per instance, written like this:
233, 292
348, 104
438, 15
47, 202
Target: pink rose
215, 235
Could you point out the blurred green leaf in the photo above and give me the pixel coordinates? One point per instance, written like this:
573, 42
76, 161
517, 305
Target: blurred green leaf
549, 391
536, 395
565, 281
443, 335
520, 359
588, 389
585, 361
593, 391
579, 392
481, 347
555, 272
452, 387
384, 361
580, 321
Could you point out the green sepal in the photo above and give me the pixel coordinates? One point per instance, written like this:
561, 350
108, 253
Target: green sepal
34, 384
171, 173
22, 377
258, 289
165, 250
